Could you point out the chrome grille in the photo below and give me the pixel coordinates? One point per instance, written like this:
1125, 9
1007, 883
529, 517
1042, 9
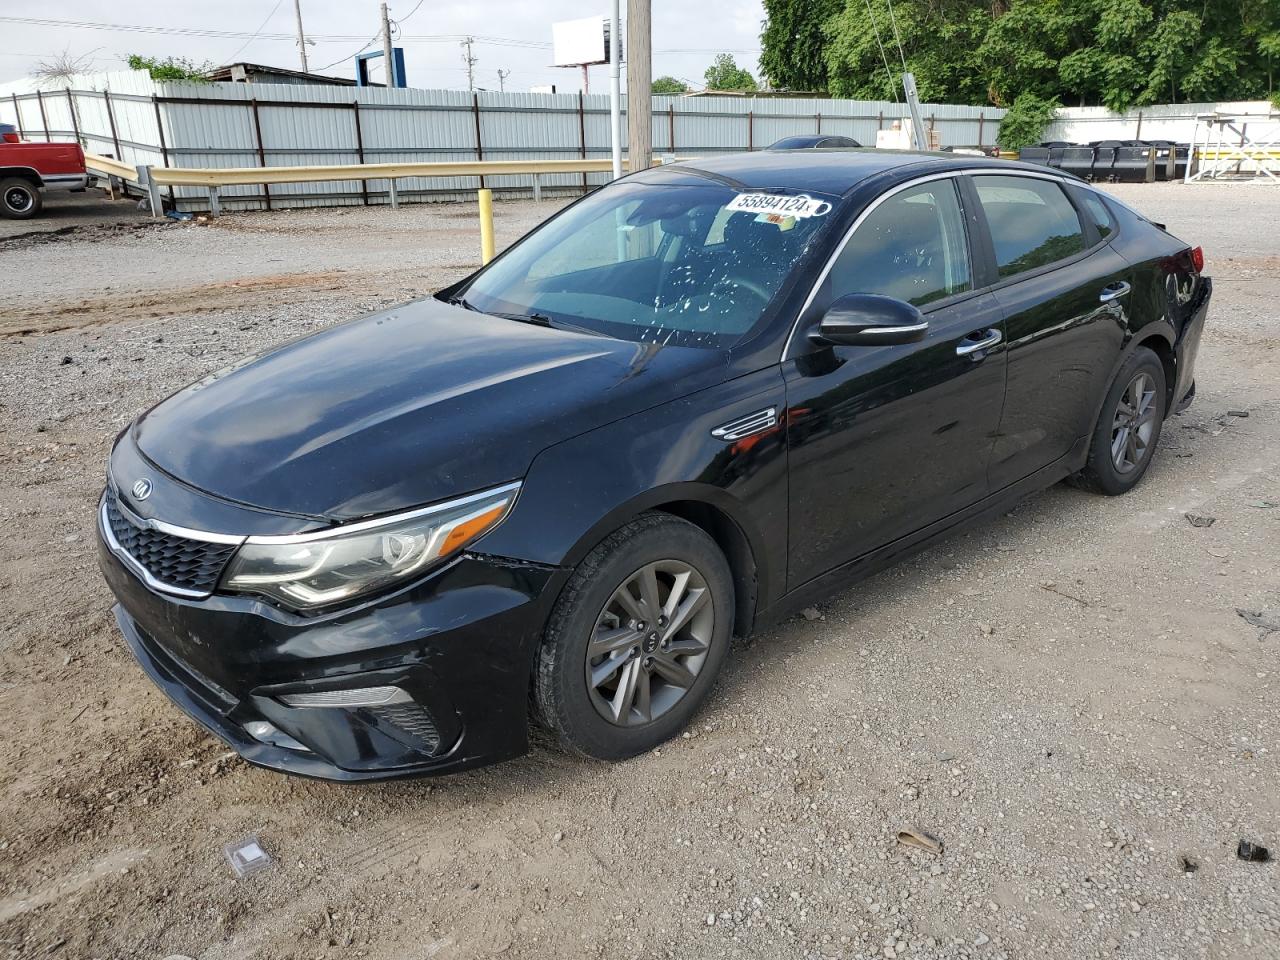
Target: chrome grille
180, 564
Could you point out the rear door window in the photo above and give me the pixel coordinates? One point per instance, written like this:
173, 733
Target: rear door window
911, 247
1032, 222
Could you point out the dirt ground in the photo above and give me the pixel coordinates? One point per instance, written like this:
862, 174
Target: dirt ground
1067, 697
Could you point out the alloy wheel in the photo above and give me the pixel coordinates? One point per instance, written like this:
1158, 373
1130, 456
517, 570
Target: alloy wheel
1134, 424
649, 643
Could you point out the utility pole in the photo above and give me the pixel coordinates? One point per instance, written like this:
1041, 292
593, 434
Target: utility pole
386, 48
502, 80
615, 95
302, 40
470, 61
639, 85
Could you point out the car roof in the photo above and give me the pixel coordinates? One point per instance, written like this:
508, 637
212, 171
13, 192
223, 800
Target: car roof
831, 171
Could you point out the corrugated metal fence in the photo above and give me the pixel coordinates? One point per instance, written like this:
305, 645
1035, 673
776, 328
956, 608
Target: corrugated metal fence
129, 116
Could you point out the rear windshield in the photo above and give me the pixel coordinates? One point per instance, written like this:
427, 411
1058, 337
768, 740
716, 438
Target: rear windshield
685, 264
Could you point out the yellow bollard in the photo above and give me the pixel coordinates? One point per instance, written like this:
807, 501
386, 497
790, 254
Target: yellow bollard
486, 225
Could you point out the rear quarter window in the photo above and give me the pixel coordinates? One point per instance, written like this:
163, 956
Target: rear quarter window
1032, 222
1096, 210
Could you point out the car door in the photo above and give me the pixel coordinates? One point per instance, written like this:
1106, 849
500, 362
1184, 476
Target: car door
884, 440
1063, 292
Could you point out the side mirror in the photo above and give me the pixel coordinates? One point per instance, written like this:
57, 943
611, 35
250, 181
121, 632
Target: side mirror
870, 320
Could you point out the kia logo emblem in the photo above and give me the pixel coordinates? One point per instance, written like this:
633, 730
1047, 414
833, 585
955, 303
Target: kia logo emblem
142, 489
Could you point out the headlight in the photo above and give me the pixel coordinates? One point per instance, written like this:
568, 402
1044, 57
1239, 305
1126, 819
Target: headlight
317, 569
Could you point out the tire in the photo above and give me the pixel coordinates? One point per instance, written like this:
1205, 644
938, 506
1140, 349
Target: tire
1107, 471
595, 718
20, 199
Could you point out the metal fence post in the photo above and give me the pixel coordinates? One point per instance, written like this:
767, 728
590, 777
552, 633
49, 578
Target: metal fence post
364, 184
71, 105
582, 137
164, 145
111, 119
537, 188
475, 113
44, 117
391, 191
262, 154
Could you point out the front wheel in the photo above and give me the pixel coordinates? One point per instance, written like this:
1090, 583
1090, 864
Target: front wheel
636, 639
19, 199
1128, 429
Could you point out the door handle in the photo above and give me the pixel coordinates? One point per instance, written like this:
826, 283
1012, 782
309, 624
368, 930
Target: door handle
1113, 291
988, 339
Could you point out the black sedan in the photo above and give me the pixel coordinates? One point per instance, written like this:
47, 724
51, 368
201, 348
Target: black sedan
817, 141
690, 403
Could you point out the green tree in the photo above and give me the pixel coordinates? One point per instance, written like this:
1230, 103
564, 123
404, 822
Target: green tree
669, 85
1025, 120
939, 41
171, 68
724, 74
792, 43
1117, 53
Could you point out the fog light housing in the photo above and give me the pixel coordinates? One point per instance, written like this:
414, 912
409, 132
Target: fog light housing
348, 699
270, 734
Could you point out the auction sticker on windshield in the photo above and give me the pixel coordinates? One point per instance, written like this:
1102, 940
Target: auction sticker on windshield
799, 205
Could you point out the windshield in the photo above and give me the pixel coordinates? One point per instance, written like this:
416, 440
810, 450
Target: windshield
689, 265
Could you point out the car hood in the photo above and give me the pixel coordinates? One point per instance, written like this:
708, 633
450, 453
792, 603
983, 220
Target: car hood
416, 404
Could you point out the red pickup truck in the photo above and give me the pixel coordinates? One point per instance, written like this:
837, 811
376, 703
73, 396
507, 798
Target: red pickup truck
28, 169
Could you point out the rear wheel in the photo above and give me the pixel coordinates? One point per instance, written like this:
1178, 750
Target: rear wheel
1129, 427
636, 639
19, 199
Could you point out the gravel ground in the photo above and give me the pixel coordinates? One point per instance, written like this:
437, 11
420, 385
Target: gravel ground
1066, 697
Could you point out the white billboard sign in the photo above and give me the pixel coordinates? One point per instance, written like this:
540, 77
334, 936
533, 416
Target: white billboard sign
578, 42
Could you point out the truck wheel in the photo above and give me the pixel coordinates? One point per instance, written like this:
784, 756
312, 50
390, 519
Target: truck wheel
19, 199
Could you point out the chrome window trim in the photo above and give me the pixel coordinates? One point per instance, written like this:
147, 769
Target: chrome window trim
342, 530
871, 207
141, 572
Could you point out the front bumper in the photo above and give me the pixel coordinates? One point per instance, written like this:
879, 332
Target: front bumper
460, 643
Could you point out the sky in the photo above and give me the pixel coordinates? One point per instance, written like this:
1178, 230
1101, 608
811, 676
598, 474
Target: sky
686, 36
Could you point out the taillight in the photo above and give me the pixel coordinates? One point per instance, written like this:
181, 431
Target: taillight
1197, 259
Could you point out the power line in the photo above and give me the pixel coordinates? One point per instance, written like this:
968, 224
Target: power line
883, 56
245, 35
898, 39
410, 13
367, 44
232, 58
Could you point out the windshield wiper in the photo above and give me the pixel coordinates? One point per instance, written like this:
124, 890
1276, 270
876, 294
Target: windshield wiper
537, 319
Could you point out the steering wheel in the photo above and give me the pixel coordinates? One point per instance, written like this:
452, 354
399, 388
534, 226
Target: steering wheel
747, 284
